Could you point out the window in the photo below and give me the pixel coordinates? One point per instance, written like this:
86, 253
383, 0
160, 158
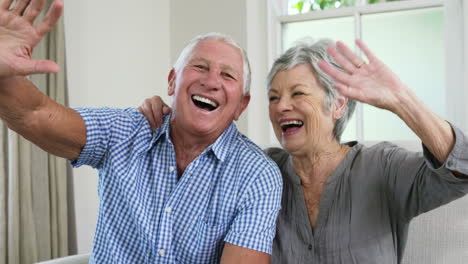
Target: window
407, 35
304, 6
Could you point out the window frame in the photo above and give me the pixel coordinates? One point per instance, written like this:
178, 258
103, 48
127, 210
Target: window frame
277, 12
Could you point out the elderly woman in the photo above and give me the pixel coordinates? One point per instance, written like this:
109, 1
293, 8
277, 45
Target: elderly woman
348, 203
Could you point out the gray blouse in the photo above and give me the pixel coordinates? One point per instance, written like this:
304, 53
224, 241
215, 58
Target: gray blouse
366, 204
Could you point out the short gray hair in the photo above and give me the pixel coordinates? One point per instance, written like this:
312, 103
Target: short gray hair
187, 51
308, 52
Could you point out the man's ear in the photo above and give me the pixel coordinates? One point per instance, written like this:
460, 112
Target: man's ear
339, 107
244, 103
171, 82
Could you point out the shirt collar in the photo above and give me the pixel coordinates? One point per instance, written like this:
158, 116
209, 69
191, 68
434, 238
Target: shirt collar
163, 129
220, 148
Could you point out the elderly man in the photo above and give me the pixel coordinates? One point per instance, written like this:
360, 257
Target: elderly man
193, 191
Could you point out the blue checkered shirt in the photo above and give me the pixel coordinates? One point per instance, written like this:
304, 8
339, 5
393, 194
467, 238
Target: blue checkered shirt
229, 193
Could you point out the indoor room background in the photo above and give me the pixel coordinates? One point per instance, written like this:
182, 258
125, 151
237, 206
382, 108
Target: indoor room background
119, 52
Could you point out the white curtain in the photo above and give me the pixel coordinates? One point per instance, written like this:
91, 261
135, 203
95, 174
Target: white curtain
3, 195
33, 184
440, 236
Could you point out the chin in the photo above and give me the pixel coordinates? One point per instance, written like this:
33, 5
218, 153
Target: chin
204, 128
290, 147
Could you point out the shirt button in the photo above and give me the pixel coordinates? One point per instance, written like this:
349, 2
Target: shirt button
168, 209
162, 252
310, 247
171, 169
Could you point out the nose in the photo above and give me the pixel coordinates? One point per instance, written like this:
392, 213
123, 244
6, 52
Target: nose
211, 80
284, 104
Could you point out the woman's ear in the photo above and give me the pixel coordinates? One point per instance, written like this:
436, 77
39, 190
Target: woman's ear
339, 107
171, 82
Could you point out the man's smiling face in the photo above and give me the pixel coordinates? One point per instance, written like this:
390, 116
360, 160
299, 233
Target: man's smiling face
208, 89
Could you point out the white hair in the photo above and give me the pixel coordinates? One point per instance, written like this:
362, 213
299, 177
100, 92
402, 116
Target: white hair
309, 53
187, 52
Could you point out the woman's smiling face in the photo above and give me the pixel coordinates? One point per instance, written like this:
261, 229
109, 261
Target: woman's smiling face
297, 109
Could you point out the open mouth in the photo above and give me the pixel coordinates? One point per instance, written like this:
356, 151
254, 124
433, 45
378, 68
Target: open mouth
291, 124
204, 103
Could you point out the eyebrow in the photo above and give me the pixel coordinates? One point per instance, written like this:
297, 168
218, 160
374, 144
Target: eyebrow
199, 59
223, 66
290, 88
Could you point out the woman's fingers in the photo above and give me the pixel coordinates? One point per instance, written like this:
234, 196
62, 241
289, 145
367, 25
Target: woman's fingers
342, 61
145, 109
34, 8
348, 91
157, 110
342, 80
370, 56
333, 72
50, 19
166, 109
154, 109
353, 58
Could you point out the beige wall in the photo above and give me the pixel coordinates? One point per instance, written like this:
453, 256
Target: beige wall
192, 18
117, 54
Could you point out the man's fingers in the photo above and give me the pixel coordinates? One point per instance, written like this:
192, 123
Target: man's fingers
49, 21
27, 67
5, 4
33, 10
45, 66
19, 7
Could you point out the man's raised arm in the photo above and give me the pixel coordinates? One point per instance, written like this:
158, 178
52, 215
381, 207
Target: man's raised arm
53, 127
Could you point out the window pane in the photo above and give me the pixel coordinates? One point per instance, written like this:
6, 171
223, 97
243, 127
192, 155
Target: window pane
337, 29
304, 6
382, 1
411, 43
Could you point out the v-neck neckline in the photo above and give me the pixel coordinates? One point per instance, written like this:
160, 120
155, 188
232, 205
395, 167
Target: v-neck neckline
328, 194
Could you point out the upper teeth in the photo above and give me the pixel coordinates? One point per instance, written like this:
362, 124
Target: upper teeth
292, 122
205, 100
